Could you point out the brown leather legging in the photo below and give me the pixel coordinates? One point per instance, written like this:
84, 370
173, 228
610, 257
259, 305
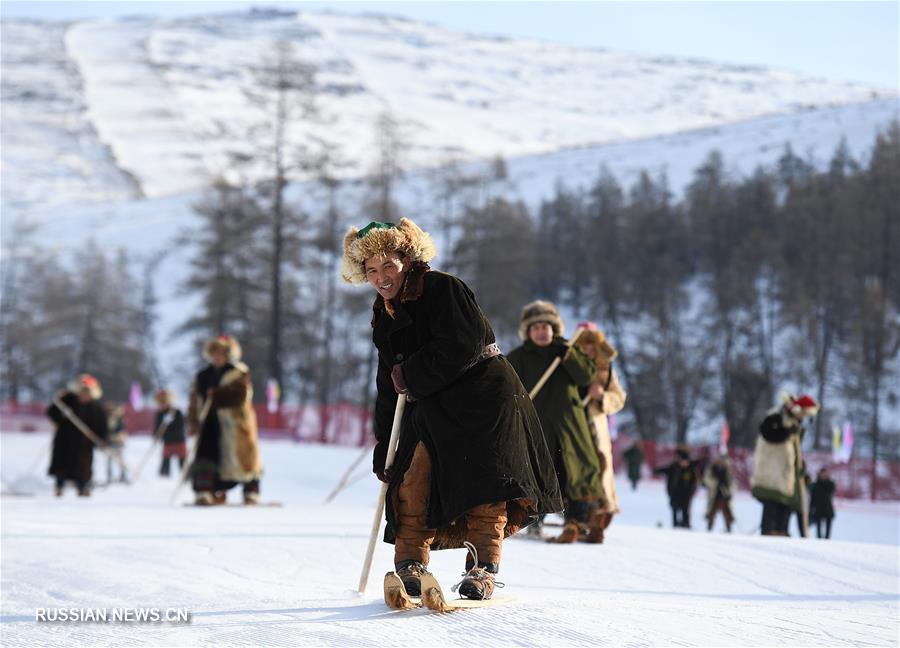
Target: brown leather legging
486, 522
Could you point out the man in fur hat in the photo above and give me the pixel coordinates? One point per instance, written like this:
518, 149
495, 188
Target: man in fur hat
73, 452
471, 464
777, 479
169, 425
221, 412
563, 418
605, 397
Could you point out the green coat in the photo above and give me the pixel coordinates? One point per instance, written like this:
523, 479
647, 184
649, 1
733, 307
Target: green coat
563, 419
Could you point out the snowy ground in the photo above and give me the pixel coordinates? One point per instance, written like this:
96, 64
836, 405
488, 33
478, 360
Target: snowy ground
286, 576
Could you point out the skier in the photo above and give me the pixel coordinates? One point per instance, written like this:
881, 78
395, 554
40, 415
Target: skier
821, 496
777, 479
471, 465
118, 432
682, 476
221, 412
719, 481
169, 424
634, 457
563, 419
606, 397
73, 452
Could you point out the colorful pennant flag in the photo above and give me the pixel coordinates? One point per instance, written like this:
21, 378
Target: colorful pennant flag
273, 395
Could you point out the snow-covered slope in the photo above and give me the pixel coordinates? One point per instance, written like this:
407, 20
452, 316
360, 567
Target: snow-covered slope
286, 576
146, 227
169, 96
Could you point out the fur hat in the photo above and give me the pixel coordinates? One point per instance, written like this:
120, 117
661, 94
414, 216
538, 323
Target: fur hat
540, 311
86, 382
800, 407
382, 239
593, 336
164, 397
228, 344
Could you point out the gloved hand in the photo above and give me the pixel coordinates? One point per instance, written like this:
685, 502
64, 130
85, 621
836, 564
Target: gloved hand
398, 379
385, 475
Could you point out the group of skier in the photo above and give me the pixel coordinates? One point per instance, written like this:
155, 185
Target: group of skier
220, 417
489, 443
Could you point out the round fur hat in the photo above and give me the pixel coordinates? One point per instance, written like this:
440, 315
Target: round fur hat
540, 311
382, 239
591, 335
86, 382
225, 342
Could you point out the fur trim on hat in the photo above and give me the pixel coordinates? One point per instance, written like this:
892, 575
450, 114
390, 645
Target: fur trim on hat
606, 353
86, 382
406, 237
227, 343
800, 407
540, 311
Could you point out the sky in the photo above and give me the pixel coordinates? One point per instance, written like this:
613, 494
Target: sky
846, 41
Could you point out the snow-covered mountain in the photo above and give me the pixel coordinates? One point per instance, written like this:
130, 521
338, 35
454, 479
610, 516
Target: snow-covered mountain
104, 110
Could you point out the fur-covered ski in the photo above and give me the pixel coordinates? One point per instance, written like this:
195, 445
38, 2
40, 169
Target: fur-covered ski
396, 597
433, 598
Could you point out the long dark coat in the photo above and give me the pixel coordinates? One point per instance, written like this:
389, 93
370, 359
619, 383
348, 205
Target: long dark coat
681, 481
563, 419
822, 499
474, 418
174, 431
634, 456
73, 452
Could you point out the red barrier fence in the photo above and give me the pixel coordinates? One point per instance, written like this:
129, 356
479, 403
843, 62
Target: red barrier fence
350, 425
340, 424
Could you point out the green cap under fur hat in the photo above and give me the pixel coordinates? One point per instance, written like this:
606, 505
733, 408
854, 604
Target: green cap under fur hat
381, 239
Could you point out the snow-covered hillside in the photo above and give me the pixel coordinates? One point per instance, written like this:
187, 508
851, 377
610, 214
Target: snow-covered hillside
147, 227
168, 97
287, 576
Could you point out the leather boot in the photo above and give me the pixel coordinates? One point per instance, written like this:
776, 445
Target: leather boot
571, 531
595, 528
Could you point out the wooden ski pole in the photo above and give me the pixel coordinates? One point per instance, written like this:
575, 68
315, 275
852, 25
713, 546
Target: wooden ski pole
343, 482
160, 430
553, 365
379, 507
804, 500
182, 477
88, 432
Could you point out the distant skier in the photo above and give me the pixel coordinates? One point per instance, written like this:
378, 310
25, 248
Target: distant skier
563, 418
606, 398
719, 481
471, 465
682, 476
822, 503
634, 457
73, 452
118, 434
221, 412
169, 424
777, 479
